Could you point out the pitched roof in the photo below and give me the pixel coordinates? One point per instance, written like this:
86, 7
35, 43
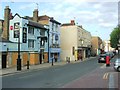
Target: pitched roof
44, 17
36, 24
67, 24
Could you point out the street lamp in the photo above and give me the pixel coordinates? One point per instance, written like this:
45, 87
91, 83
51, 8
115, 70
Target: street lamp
19, 59
47, 27
119, 47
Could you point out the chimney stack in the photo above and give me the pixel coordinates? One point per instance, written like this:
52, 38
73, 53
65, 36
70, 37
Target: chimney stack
72, 22
35, 15
5, 34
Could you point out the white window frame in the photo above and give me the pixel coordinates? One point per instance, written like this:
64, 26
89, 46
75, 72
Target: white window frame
31, 43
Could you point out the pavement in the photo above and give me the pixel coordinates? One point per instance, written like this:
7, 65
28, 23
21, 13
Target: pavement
13, 70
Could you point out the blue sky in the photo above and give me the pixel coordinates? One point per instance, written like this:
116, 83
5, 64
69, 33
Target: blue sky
97, 17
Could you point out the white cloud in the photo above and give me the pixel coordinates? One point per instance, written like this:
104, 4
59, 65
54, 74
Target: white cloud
102, 14
60, 1
107, 25
97, 6
27, 6
100, 20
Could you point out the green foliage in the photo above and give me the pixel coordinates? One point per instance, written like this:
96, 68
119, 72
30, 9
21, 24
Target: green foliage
114, 37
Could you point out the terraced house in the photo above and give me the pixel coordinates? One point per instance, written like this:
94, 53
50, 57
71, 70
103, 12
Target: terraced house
75, 42
39, 39
32, 41
52, 51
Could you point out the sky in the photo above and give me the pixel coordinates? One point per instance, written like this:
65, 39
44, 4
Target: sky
97, 17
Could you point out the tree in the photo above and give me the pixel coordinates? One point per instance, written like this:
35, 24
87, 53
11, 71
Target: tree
114, 37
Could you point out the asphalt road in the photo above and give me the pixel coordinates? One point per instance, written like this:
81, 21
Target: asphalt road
105, 78
54, 77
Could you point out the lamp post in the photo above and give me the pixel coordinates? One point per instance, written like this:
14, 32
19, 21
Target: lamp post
48, 44
47, 27
19, 59
82, 48
119, 48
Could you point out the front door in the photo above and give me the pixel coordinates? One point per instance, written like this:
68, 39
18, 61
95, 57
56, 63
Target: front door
4, 60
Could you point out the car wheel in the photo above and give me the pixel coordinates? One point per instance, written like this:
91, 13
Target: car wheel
118, 69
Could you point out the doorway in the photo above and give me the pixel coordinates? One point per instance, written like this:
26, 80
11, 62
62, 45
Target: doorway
4, 60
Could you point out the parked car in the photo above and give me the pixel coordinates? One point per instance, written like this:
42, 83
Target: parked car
117, 64
102, 58
111, 54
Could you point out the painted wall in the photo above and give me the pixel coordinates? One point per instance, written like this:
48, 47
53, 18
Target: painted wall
96, 45
68, 41
74, 36
54, 47
85, 36
24, 46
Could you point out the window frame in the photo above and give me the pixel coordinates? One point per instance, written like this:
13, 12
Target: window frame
31, 43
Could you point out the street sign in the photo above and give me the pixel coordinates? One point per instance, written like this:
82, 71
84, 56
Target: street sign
56, 37
16, 26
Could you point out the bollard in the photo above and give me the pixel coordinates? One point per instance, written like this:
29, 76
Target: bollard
27, 64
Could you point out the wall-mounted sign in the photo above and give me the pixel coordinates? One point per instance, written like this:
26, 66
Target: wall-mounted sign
16, 29
17, 25
16, 33
11, 27
56, 37
24, 35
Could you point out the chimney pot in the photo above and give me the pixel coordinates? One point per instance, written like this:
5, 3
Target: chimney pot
72, 22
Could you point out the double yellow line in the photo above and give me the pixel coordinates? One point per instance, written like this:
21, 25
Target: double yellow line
105, 76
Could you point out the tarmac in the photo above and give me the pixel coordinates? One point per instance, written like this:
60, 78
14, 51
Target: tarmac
13, 70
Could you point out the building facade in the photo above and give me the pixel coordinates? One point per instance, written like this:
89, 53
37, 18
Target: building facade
53, 49
97, 45
75, 42
107, 46
32, 42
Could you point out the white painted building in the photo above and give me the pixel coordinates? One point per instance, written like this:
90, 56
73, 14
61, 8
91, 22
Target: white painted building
75, 42
32, 42
107, 46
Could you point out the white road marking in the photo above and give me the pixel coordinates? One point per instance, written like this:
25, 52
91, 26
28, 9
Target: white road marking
105, 76
111, 82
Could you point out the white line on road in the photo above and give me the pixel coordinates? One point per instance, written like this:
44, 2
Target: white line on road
111, 82
105, 76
